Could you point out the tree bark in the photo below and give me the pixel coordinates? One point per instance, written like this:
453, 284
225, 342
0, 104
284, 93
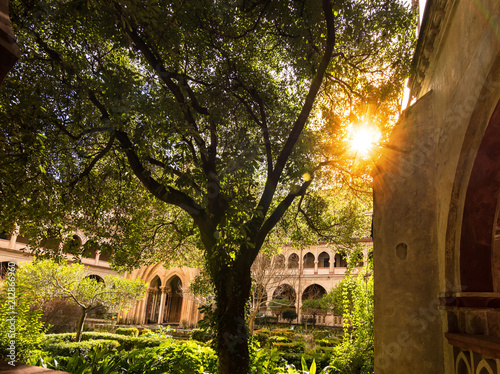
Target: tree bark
232, 334
79, 329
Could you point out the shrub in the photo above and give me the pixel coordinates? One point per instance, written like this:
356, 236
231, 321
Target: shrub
290, 315
25, 327
279, 339
128, 331
283, 332
67, 349
320, 334
262, 336
145, 331
327, 342
295, 347
199, 335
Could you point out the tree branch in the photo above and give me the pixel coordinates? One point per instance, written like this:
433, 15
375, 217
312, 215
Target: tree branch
272, 181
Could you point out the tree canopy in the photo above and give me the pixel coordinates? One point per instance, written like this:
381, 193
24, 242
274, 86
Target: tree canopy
155, 125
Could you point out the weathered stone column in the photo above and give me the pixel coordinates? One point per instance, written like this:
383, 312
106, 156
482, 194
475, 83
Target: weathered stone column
162, 305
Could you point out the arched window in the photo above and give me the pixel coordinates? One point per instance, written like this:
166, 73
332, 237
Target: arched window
293, 261
324, 260
153, 303
340, 261
173, 301
308, 260
280, 261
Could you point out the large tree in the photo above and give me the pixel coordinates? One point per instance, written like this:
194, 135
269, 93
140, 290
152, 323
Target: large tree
155, 125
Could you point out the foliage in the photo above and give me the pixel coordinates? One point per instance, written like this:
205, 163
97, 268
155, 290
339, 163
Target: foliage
355, 353
48, 280
129, 331
154, 126
126, 342
314, 307
289, 315
199, 335
278, 306
67, 349
19, 323
170, 357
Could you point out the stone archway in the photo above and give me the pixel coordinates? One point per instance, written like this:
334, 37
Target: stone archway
477, 258
154, 300
174, 300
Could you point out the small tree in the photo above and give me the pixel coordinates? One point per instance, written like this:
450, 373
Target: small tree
314, 307
48, 280
290, 315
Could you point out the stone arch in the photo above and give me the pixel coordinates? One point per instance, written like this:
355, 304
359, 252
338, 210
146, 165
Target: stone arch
293, 261
314, 291
308, 261
484, 367
324, 260
458, 274
480, 207
96, 277
462, 365
173, 300
279, 260
285, 291
153, 301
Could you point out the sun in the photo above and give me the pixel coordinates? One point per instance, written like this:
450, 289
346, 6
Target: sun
362, 139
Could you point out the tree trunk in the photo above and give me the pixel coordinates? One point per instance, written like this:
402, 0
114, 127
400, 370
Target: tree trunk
232, 334
79, 329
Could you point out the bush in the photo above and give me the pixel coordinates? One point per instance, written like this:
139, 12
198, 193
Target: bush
283, 332
199, 335
327, 342
262, 336
320, 334
68, 349
25, 327
126, 342
145, 331
128, 331
279, 339
295, 347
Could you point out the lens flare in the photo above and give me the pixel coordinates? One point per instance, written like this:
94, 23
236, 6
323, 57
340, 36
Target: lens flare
362, 139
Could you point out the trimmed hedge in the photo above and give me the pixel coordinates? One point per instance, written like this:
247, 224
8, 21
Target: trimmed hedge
125, 342
295, 347
279, 339
262, 336
327, 342
127, 331
320, 334
68, 349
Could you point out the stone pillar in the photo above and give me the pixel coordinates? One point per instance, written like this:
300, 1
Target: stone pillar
332, 262
316, 262
162, 305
